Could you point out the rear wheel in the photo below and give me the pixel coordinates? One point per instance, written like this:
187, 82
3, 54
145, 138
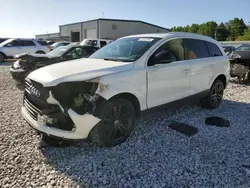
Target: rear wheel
215, 95
117, 122
2, 57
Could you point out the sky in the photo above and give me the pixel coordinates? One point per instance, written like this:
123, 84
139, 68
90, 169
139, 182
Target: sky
26, 18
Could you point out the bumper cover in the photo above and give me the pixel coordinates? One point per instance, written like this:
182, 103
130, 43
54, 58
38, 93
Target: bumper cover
18, 74
83, 126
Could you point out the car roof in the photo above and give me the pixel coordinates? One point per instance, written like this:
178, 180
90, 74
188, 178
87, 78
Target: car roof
175, 34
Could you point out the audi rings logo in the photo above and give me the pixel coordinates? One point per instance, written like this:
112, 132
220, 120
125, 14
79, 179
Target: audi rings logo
34, 91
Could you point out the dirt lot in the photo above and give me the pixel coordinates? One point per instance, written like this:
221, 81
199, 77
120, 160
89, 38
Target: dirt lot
154, 155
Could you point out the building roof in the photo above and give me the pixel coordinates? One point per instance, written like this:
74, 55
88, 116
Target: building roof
120, 20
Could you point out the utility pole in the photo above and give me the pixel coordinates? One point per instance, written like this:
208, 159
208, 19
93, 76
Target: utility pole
215, 33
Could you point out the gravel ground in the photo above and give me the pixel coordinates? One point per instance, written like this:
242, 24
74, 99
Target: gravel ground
154, 155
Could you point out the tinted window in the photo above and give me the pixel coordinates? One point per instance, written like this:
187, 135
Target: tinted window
89, 50
27, 43
43, 43
176, 49
103, 43
214, 50
195, 49
76, 53
14, 43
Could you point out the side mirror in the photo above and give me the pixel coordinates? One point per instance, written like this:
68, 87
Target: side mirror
162, 57
9, 45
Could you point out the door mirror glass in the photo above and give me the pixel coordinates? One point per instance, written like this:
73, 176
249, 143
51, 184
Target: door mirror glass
162, 57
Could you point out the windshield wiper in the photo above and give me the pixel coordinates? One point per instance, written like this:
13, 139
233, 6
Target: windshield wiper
119, 60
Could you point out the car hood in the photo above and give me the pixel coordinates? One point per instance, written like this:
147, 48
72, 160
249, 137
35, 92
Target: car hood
33, 55
77, 70
240, 54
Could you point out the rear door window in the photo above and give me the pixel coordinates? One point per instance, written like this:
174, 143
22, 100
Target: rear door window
195, 48
213, 49
27, 43
103, 43
14, 43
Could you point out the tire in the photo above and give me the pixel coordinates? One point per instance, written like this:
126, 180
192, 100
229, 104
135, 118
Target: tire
117, 123
55, 142
215, 95
2, 57
40, 52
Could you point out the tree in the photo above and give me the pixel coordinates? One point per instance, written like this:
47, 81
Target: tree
236, 28
221, 32
246, 35
208, 28
194, 28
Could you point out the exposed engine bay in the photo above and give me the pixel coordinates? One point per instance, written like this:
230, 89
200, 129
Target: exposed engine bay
67, 106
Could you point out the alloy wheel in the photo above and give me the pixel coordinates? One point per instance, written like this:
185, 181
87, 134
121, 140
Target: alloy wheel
217, 94
117, 123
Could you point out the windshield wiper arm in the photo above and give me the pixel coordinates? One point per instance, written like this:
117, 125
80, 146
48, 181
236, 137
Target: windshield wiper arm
119, 60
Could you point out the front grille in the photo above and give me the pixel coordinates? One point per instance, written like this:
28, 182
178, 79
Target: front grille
31, 109
31, 89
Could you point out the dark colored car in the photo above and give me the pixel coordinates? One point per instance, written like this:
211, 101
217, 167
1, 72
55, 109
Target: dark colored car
240, 62
27, 63
228, 49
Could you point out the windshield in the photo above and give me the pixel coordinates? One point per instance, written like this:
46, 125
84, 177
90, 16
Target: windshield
125, 49
88, 42
6, 42
243, 47
59, 51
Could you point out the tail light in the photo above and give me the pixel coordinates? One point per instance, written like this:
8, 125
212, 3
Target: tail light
49, 48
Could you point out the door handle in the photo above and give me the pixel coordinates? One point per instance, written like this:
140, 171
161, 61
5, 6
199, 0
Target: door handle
186, 71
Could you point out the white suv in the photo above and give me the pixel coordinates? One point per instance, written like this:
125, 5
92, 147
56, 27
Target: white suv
12, 47
101, 96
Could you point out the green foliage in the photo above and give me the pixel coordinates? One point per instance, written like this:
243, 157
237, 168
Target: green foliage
246, 35
234, 29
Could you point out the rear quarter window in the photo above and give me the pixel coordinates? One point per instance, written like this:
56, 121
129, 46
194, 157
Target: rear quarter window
213, 49
195, 48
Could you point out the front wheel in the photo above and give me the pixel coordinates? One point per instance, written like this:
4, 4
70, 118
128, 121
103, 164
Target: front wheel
215, 95
117, 122
1, 57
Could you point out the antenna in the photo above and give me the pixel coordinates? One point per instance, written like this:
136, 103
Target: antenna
103, 14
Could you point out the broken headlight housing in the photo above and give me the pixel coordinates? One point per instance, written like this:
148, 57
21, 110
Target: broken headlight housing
76, 95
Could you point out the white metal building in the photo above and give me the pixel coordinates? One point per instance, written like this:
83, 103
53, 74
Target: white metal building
106, 29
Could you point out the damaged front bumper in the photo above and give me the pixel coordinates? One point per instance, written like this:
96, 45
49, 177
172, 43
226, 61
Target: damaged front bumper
18, 74
56, 119
83, 125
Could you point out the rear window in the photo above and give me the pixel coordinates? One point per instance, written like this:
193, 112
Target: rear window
43, 43
195, 48
213, 49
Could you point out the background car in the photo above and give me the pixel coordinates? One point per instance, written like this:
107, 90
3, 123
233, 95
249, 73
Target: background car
96, 42
28, 62
58, 44
12, 47
240, 62
228, 49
